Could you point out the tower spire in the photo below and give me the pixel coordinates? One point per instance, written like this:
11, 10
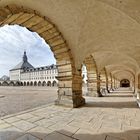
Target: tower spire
25, 59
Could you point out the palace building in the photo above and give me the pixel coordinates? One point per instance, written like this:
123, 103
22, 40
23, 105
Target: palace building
27, 75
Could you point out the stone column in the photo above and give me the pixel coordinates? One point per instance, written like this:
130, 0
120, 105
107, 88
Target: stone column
77, 98
103, 80
109, 83
69, 85
137, 88
69, 89
118, 83
93, 82
112, 82
99, 94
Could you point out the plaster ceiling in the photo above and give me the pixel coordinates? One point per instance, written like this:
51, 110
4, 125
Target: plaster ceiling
108, 29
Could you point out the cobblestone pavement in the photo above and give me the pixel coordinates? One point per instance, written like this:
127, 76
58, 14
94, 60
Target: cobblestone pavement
15, 99
115, 117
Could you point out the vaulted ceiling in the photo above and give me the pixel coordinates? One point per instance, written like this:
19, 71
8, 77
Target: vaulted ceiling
109, 30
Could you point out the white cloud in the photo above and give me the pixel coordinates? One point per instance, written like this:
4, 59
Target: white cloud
14, 40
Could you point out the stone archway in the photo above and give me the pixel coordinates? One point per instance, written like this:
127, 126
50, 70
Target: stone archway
39, 83
4, 83
21, 83
35, 83
11, 83
28, 84
24, 83
31, 83
49, 84
70, 81
44, 83
17, 83
54, 84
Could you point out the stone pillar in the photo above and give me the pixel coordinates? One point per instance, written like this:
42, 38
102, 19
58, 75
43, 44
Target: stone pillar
118, 84
103, 80
93, 82
137, 88
70, 91
109, 83
113, 81
99, 94
77, 98
133, 85
69, 86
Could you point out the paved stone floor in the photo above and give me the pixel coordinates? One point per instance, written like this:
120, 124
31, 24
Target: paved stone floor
115, 117
15, 99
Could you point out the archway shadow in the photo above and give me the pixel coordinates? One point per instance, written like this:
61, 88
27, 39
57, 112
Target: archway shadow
62, 134
103, 104
117, 95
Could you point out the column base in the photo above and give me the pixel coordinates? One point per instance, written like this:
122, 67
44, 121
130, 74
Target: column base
62, 102
108, 90
92, 93
78, 101
137, 96
138, 103
99, 94
73, 103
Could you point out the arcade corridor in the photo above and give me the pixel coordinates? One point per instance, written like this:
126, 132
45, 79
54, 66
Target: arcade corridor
102, 35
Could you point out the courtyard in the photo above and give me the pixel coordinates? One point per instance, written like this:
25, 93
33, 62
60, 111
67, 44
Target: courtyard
113, 117
16, 99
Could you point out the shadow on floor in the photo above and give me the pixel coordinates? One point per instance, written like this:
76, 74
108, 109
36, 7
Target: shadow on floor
116, 95
129, 104
66, 135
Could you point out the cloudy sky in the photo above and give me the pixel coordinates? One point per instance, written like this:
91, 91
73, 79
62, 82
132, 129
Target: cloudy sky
14, 40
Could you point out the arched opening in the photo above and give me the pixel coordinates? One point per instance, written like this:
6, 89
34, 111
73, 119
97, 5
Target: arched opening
33, 20
49, 83
24, 84
31, 83
0, 84
17, 83
21, 83
44, 83
39, 83
11, 84
5, 83
125, 83
54, 84
28, 84
35, 83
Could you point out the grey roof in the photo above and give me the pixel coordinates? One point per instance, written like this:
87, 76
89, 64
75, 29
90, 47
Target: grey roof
23, 65
41, 68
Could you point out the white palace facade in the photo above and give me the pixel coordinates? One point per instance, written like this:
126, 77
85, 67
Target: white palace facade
25, 74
